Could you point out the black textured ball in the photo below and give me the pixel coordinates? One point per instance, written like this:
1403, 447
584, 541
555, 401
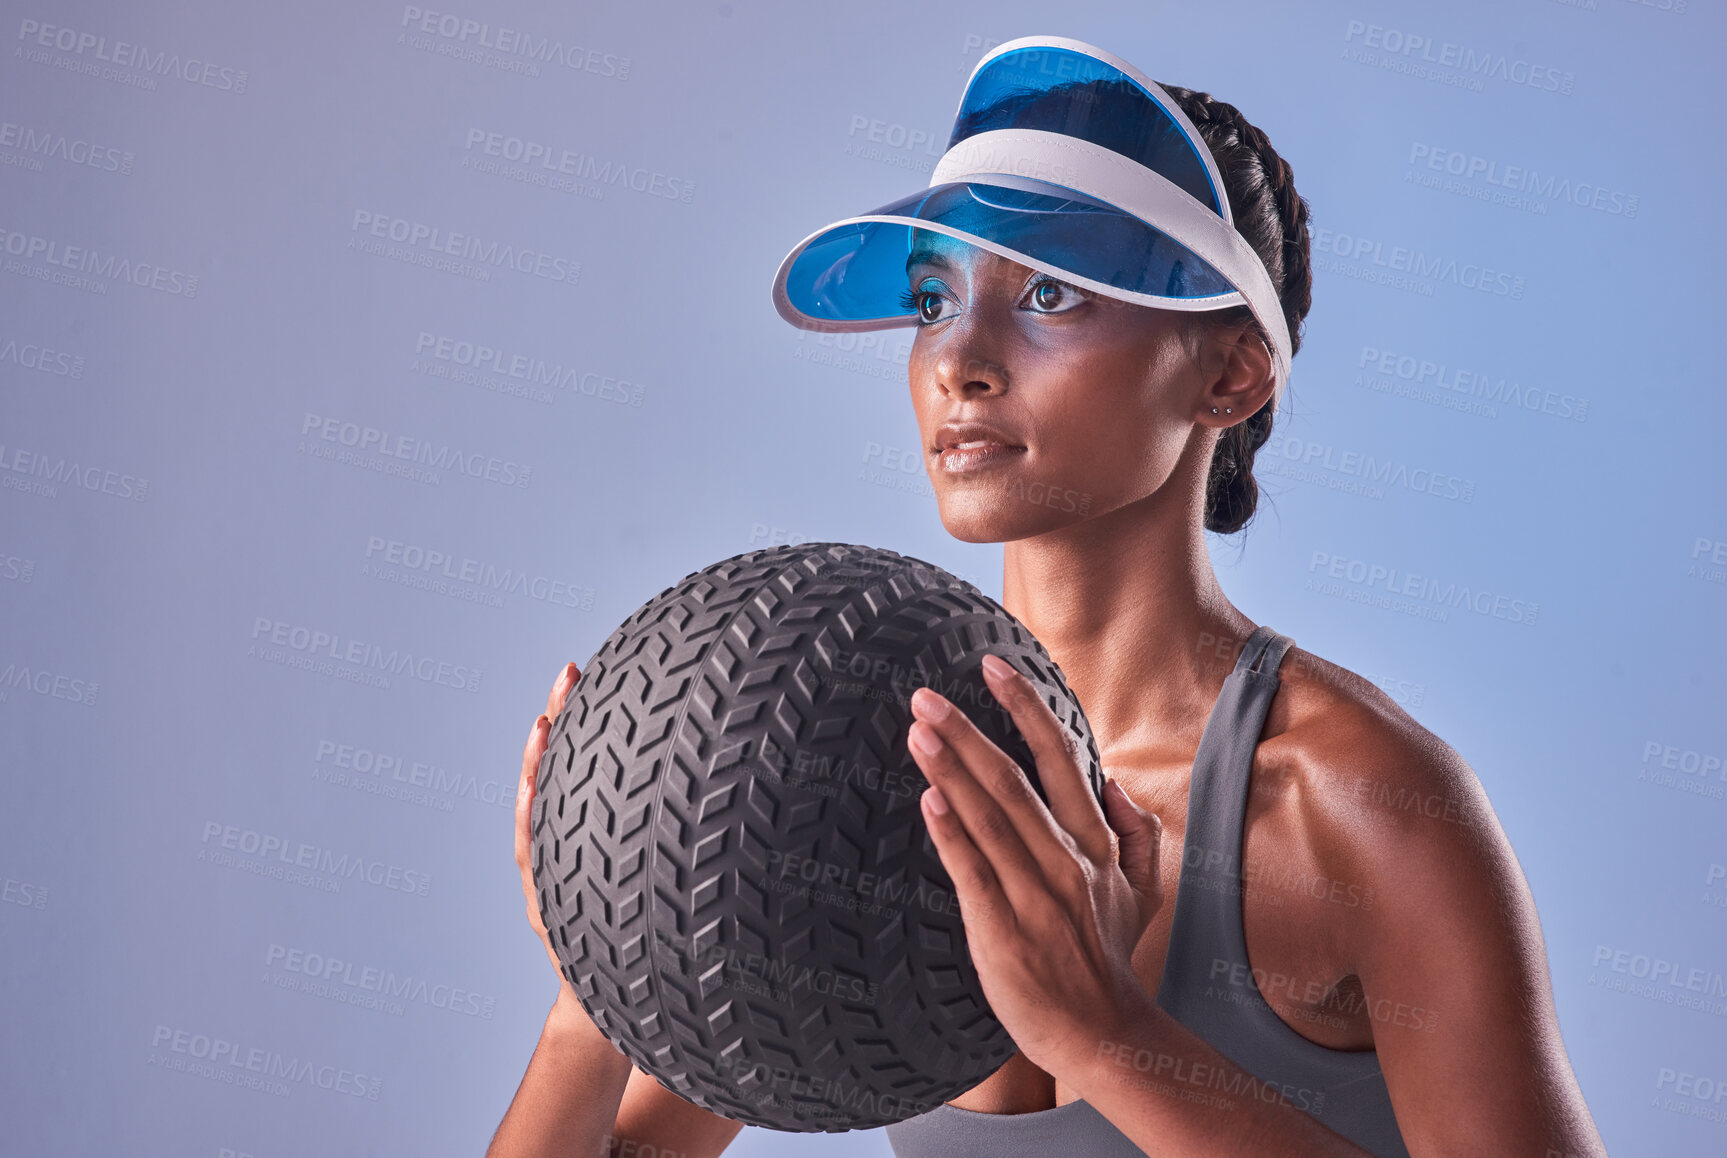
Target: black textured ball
728, 848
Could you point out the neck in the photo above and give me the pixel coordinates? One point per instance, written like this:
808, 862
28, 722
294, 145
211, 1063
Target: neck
1129, 607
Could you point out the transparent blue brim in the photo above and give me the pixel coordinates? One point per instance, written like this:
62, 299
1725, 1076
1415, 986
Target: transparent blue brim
855, 272
1060, 90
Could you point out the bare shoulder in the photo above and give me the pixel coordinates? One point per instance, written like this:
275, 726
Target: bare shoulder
1449, 956
1381, 800
1362, 763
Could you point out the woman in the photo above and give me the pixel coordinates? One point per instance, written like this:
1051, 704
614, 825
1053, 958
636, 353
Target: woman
1108, 279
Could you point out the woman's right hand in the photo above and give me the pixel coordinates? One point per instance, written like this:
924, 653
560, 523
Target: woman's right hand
531, 754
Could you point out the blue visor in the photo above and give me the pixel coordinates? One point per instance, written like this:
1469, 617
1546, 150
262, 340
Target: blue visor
1068, 160
1074, 93
853, 274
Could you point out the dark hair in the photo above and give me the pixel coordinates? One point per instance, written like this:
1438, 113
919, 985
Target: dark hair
1272, 216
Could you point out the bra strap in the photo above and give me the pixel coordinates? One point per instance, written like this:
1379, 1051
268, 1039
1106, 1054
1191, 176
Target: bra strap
1206, 934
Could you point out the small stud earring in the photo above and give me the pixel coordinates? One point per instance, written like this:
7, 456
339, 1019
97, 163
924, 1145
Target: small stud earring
1229, 410
1214, 410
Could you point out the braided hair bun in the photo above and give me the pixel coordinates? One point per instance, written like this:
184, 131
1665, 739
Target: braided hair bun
1272, 216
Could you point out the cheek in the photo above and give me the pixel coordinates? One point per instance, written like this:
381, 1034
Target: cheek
918, 365
1113, 428
924, 395
1115, 403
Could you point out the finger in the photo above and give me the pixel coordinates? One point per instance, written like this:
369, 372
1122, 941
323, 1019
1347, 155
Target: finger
531, 753
1062, 762
525, 789
982, 903
993, 780
1140, 832
989, 826
561, 690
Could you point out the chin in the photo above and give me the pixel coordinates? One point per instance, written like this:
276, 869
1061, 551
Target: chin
973, 521
967, 534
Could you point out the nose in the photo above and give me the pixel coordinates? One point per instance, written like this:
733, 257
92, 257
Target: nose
964, 367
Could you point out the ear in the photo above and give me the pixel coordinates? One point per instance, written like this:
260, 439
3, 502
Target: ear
1238, 377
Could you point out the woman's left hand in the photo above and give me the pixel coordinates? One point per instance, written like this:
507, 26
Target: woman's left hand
1055, 897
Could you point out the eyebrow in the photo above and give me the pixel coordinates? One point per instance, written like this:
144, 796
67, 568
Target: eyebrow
926, 254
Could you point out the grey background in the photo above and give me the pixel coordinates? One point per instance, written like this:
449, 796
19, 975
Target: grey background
147, 722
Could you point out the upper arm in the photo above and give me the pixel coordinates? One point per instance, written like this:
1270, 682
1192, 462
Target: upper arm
1454, 969
653, 1122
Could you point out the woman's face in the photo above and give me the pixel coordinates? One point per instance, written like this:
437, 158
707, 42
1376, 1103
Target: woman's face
1095, 399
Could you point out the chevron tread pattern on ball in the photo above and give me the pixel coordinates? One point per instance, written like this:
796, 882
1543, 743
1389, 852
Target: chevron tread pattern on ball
750, 715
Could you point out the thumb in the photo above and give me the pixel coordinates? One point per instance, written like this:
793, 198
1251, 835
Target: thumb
1140, 833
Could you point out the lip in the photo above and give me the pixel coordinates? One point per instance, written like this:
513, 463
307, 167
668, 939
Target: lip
961, 446
954, 461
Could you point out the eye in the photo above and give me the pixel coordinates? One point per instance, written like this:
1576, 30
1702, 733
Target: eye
923, 302
1049, 296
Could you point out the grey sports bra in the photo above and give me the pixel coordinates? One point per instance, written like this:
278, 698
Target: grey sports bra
1207, 984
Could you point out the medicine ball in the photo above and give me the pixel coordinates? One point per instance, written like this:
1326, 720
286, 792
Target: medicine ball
728, 848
